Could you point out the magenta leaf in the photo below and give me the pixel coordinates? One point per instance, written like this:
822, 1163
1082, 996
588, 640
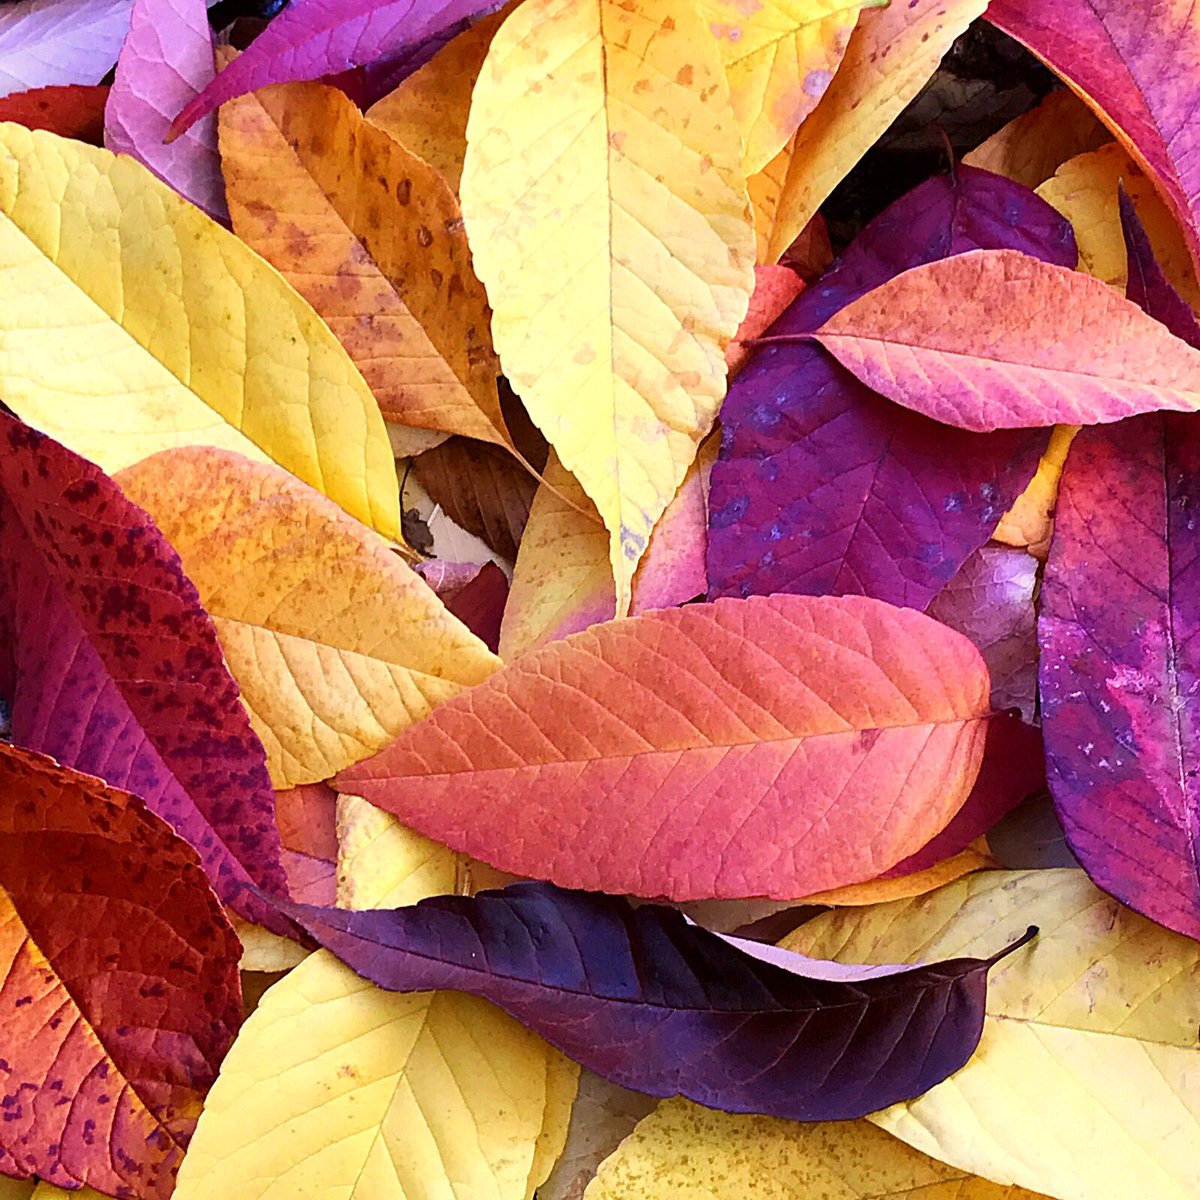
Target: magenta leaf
45, 42
825, 488
657, 1004
1120, 656
167, 58
110, 665
311, 38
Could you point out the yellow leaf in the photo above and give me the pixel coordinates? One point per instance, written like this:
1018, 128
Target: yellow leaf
1030, 522
383, 864
264, 951
47, 1191
1084, 1085
427, 113
562, 581
131, 322
891, 56
608, 217
337, 1088
336, 644
23, 1189
373, 238
1031, 147
691, 1153
779, 56
1084, 190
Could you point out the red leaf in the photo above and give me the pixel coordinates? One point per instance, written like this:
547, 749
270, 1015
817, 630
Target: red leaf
70, 110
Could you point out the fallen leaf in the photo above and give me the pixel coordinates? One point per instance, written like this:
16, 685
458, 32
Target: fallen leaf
617, 258
311, 38
336, 644
1084, 190
823, 487
112, 666
476, 593
683, 1150
1031, 837
774, 289
891, 55
809, 253
1102, 995
264, 951
1031, 147
779, 56
166, 59
127, 329
991, 601
427, 113
1030, 522
1119, 58
71, 110
126, 1053
790, 1036
562, 582
373, 238
337, 1087
307, 822
901, 886
995, 339
59, 42
880, 711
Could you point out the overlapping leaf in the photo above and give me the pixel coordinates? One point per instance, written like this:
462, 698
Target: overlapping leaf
336, 644
698, 752
71, 110
655, 1003
608, 219
120, 983
131, 322
110, 664
59, 42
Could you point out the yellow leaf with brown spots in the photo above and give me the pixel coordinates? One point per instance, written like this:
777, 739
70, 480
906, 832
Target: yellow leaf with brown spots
608, 217
373, 238
335, 643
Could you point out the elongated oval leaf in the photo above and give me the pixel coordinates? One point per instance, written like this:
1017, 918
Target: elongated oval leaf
111, 665
652, 1002
130, 322
1084, 1083
697, 752
608, 219
999, 340
121, 990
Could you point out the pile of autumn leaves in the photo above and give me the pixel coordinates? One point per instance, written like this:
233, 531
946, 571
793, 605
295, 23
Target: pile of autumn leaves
307, 636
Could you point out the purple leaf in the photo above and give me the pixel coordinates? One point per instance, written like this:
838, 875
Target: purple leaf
167, 58
991, 601
1120, 655
825, 488
474, 592
44, 42
311, 38
109, 664
654, 1003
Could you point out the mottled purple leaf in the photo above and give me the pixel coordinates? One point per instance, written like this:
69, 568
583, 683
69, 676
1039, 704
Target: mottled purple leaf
311, 38
44, 42
1120, 651
825, 488
110, 665
991, 601
1147, 285
654, 1003
167, 58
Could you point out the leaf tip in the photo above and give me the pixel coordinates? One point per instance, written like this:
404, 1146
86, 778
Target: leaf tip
1023, 940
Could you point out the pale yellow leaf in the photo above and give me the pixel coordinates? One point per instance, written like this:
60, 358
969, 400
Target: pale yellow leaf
264, 951
686, 1152
131, 322
1086, 1083
336, 644
608, 218
892, 54
779, 56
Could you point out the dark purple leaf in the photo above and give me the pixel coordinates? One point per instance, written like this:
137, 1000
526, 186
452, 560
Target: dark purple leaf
825, 488
111, 666
654, 1003
1120, 655
475, 593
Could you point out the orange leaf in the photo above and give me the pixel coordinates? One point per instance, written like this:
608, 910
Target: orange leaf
774, 289
699, 752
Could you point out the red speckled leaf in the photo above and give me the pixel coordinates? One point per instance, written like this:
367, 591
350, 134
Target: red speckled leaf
307, 817
109, 664
1136, 64
698, 752
1120, 656
71, 110
119, 993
